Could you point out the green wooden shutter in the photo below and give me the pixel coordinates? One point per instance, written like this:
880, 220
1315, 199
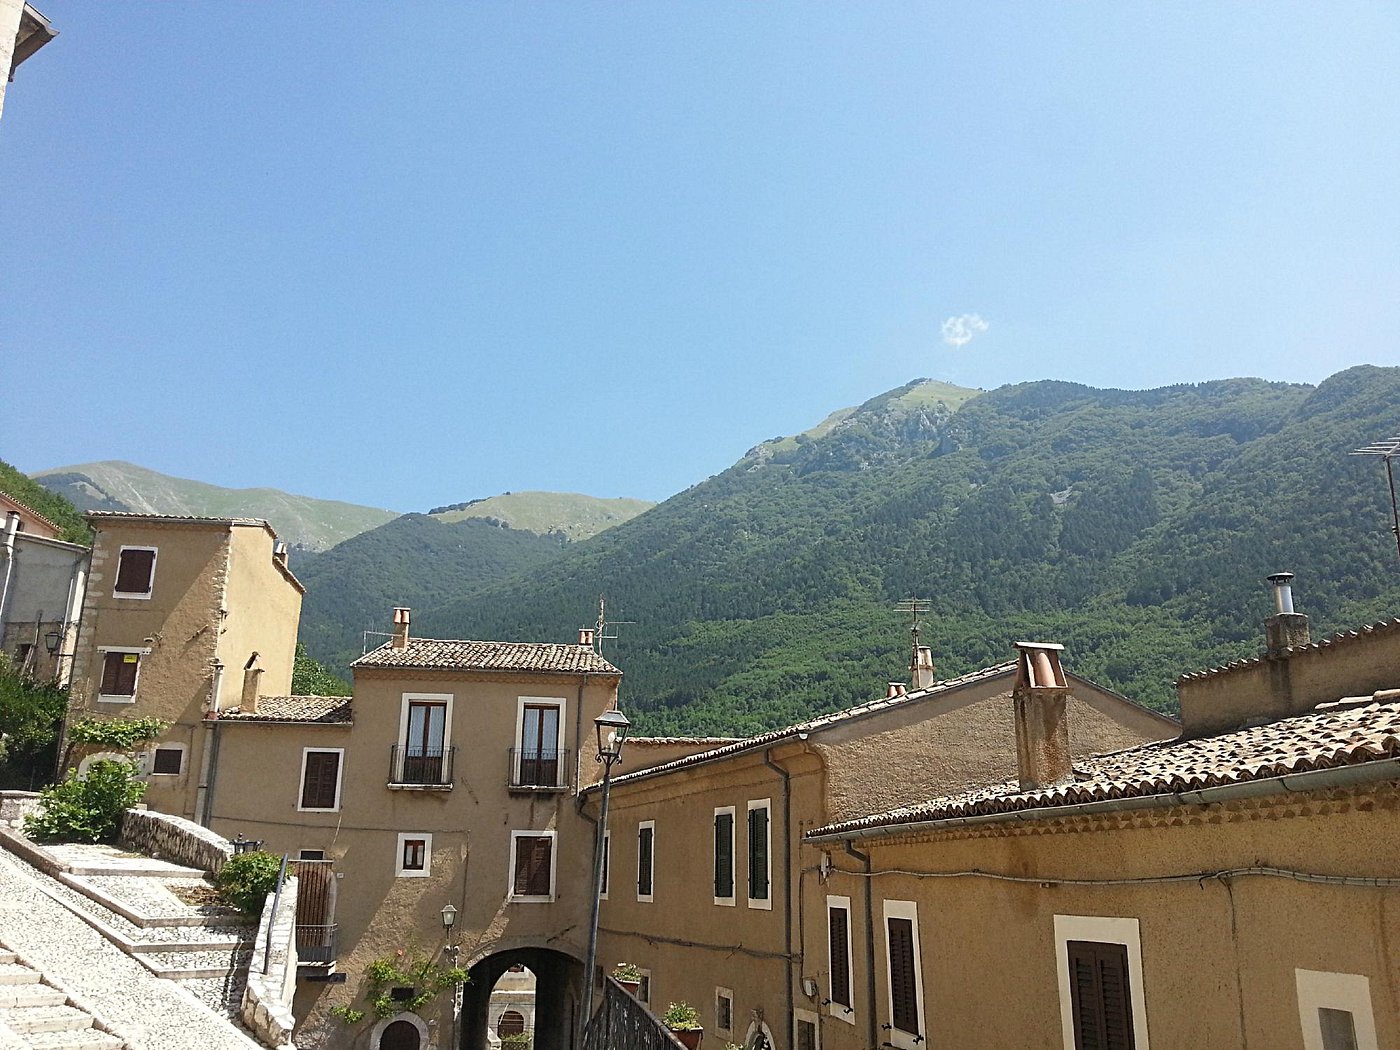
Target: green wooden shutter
724, 854
758, 854
838, 925
903, 982
645, 837
1101, 1002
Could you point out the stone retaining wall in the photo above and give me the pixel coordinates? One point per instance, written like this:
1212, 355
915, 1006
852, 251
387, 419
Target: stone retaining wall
174, 839
267, 999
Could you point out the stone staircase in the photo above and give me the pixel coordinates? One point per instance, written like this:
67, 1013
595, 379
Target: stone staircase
37, 1014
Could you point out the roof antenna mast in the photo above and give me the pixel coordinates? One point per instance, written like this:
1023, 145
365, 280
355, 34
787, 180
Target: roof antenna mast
1387, 451
601, 635
915, 607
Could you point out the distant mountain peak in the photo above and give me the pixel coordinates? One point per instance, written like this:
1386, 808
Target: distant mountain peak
568, 514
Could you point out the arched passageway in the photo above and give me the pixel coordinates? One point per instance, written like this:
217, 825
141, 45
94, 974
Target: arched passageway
558, 993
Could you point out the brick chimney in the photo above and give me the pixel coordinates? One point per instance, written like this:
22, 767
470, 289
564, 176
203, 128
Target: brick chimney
585, 636
1042, 734
921, 671
1286, 627
401, 616
252, 686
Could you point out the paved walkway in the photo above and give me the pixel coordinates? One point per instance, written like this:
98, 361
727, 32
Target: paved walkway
148, 1012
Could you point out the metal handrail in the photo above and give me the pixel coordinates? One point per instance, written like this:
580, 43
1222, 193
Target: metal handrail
272, 919
623, 1023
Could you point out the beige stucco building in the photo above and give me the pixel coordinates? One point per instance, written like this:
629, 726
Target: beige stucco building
182, 618
713, 891
23, 30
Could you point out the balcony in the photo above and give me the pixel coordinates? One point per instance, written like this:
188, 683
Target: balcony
316, 945
421, 769
316, 931
533, 769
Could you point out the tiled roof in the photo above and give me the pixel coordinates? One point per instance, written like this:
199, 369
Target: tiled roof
819, 723
196, 519
454, 655
326, 709
1382, 627
32, 512
1343, 733
671, 741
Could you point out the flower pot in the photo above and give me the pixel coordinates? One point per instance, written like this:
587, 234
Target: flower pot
689, 1037
630, 987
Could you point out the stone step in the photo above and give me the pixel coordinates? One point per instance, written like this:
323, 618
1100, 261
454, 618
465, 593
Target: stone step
17, 973
34, 1019
8, 957
30, 995
85, 1039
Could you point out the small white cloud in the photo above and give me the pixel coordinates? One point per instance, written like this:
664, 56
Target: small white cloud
959, 331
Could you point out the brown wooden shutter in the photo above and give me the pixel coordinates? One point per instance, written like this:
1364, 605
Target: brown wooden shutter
758, 854
534, 855
319, 784
838, 925
167, 760
724, 854
119, 674
1101, 1001
644, 860
134, 571
903, 986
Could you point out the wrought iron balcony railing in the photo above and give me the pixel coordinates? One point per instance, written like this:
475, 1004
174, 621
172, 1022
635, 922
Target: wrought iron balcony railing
535, 768
421, 766
317, 945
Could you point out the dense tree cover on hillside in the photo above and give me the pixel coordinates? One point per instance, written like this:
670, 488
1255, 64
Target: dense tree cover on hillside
414, 560
1134, 526
20, 486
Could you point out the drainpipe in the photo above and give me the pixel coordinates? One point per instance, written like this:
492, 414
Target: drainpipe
11, 527
864, 858
787, 884
203, 803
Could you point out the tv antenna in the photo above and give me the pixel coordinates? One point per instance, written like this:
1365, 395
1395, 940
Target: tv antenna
601, 634
1387, 451
915, 607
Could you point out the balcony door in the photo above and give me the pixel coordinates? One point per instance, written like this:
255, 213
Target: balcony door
539, 745
424, 748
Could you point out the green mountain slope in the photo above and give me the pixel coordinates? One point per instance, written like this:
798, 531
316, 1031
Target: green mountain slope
1135, 526
19, 486
568, 514
315, 524
415, 561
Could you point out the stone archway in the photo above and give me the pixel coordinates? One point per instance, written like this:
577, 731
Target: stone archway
558, 995
402, 1032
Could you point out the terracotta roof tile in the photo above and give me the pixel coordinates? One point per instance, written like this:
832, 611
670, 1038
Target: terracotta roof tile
97, 516
1339, 734
324, 709
1382, 627
466, 655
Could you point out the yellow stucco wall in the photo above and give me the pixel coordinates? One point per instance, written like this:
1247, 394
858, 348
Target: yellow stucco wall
263, 610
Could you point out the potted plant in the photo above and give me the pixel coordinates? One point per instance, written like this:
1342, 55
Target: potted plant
684, 1020
629, 976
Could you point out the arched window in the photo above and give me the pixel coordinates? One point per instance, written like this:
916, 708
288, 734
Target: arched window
400, 1035
511, 1023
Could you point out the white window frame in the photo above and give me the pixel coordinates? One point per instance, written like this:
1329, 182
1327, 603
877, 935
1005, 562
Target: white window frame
1351, 992
812, 1019
409, 698
833, 1008
1105, 930
516, 836
904, 910
182, 748
724, 993
521, 703
415, 873
113, 698
759, 903
339, 780
144, 596
607, 866
727, 902
649, 897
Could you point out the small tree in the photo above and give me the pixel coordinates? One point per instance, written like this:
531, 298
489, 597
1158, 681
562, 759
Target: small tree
30, 713
310, 677
86, 808
246, 879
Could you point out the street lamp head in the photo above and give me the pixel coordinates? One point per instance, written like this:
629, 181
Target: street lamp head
52, 640
612, 729
449, 917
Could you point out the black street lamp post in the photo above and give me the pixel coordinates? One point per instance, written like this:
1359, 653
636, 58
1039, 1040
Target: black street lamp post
612, 733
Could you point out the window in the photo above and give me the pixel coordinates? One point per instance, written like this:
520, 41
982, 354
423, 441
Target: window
724, 1011
644, 988
646, 859
905, 991
415, 855
838, 939
806, 1034
539, 756
512, 1022
607, 864
760, 854
1335, 1010
311, 854
136, 572
168, 760
120, 670
425, 728
724, 855
1099, 961
532, 865
320, 779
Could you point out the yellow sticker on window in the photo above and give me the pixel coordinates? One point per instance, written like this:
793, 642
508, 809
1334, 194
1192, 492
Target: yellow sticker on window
129, 658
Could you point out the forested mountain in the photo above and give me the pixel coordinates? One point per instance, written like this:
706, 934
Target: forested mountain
302, 521
414, 560
1135, 526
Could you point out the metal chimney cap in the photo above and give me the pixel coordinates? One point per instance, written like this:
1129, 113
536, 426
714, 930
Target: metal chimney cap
1278, 578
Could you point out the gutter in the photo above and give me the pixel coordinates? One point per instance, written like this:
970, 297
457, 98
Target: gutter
787, 882
1310, 780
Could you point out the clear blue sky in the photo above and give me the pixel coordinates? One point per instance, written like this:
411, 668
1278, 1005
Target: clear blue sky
410, 254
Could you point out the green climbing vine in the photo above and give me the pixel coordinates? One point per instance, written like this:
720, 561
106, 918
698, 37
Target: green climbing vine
423, 979
118, 734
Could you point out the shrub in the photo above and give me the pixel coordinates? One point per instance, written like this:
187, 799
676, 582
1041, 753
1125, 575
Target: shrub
518, 1041
625, 971
681, 1017
247, 879
86, 808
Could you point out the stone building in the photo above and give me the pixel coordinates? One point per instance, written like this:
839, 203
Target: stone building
23, 30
